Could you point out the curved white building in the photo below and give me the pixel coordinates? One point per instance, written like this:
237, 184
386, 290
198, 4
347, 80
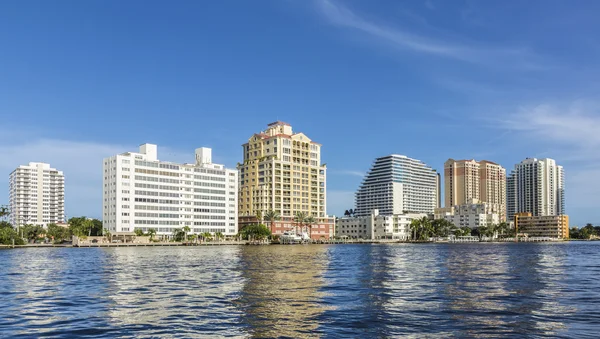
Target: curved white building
397, 184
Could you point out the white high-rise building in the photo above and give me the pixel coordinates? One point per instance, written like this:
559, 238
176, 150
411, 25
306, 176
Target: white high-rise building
140, 191
536, 187
37, 195
396, 184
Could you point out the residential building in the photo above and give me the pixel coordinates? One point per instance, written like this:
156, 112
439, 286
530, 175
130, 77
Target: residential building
536, 187
551, 226
140, 191
465, 180
396, 184
37, 195
376, 226
282, 172
472, 214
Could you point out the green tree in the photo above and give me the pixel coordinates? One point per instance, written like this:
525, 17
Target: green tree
309, 222
58, 233
138, 232
4, 212
107, 234
421, 228
33, 232
207, 236
8, 234
259, 216
299, 219
272, 216
151, 233
255, 232
219, 236
178, 234
186, 229
83, 226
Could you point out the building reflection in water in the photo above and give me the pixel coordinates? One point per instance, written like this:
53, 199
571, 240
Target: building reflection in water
509, 289
281, 294
356, 292
169, 292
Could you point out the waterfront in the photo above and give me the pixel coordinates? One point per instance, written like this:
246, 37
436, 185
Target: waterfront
329, 291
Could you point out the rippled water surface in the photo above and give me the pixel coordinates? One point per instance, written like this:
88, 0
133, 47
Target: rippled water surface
303, 291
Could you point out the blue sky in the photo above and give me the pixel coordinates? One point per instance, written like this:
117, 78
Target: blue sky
501, 80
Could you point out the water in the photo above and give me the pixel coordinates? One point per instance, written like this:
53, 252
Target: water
303, 291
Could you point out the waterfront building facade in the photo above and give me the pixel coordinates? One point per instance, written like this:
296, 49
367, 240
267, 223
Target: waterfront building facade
465, 180
376, 226
36, 195
551, 226
140, 191
537, 187
472, 214
395, 185
282, 172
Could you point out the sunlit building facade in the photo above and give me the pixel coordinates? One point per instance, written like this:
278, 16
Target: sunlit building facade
397, 184
140, 191
537, 187
282, 172
36, 195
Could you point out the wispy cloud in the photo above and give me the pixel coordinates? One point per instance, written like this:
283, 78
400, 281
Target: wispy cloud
571, 128
569, 134
399, 38
347, 172
429, 4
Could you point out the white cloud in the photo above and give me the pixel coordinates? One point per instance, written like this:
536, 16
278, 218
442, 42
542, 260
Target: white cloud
570, 129
81, 163
569, 133
347, 172
396, 37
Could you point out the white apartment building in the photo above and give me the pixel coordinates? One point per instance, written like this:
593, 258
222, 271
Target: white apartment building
37, 195
472, 214
140, 191
536, 187
376, 226
396, 184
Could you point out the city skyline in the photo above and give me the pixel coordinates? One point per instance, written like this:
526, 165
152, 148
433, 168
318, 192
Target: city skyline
432, 82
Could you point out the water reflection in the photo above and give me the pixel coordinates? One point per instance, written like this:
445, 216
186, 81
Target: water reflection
338, 291
356, 292
188, 292
280, 297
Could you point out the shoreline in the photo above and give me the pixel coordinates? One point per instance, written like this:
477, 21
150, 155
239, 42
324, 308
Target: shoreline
246, 243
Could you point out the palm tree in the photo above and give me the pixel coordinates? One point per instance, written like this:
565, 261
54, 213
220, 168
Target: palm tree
186, 229
4, 212
309, 222
107, 234
219, 236
501, 228
206, 236
272, 216
151, 233
415, 225
425, 228
299, 219
259, 216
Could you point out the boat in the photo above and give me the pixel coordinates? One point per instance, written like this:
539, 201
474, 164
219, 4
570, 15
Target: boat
290, 237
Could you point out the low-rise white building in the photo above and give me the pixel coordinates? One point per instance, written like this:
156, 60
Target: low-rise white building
140, 191
376, 226
472, 215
